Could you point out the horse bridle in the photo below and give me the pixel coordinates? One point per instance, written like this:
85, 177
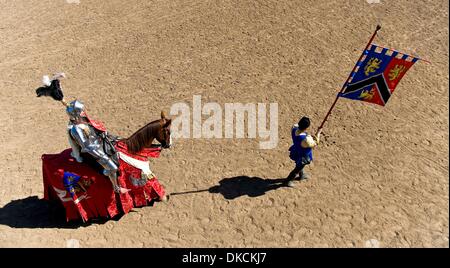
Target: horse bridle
166, 145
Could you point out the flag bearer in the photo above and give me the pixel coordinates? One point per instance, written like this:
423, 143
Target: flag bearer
301, 149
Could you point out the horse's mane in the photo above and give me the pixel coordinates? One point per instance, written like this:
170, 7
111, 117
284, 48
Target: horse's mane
137, 141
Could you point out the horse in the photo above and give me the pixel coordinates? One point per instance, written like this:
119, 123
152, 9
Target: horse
143, 137
81, 186
91, 195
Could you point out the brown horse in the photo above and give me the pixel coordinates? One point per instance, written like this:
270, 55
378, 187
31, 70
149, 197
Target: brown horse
94, 196
143, 138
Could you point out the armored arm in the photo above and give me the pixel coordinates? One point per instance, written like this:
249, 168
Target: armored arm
75, 148
81, 134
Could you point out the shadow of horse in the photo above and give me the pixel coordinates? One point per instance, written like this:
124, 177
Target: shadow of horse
235, 187
32, 212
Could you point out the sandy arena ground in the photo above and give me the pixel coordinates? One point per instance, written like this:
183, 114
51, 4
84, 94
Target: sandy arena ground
380, 173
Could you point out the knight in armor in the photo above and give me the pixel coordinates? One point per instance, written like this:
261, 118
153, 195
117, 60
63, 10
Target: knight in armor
85, 135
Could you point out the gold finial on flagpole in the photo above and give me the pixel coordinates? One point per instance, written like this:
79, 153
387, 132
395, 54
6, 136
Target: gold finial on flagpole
64, 102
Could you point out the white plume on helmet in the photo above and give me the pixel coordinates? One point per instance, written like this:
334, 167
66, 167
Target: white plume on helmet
58, 75
46, 81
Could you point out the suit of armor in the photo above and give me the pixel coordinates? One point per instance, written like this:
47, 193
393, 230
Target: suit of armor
85, 138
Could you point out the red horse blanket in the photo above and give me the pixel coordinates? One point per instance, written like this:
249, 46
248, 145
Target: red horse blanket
87, 194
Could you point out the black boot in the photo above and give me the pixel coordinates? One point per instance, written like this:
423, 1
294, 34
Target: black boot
303, 176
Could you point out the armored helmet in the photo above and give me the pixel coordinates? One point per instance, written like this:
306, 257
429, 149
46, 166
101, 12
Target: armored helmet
75, 110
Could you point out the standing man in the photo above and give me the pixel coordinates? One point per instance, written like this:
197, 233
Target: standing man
301, 149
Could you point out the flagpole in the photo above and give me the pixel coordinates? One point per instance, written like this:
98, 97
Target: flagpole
348, 78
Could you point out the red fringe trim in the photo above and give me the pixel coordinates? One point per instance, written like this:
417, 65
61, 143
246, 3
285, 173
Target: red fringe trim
99, 200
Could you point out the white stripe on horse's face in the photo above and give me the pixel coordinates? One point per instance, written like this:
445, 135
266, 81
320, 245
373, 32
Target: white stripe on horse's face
170, 140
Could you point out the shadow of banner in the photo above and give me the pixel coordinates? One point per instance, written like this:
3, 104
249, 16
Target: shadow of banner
235, 187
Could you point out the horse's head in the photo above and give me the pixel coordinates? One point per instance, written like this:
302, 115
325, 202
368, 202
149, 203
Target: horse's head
158, 129
164, 135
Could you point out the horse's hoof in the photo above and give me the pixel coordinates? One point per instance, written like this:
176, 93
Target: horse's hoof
165, 198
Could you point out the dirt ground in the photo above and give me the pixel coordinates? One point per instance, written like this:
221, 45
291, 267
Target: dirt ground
380, 173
